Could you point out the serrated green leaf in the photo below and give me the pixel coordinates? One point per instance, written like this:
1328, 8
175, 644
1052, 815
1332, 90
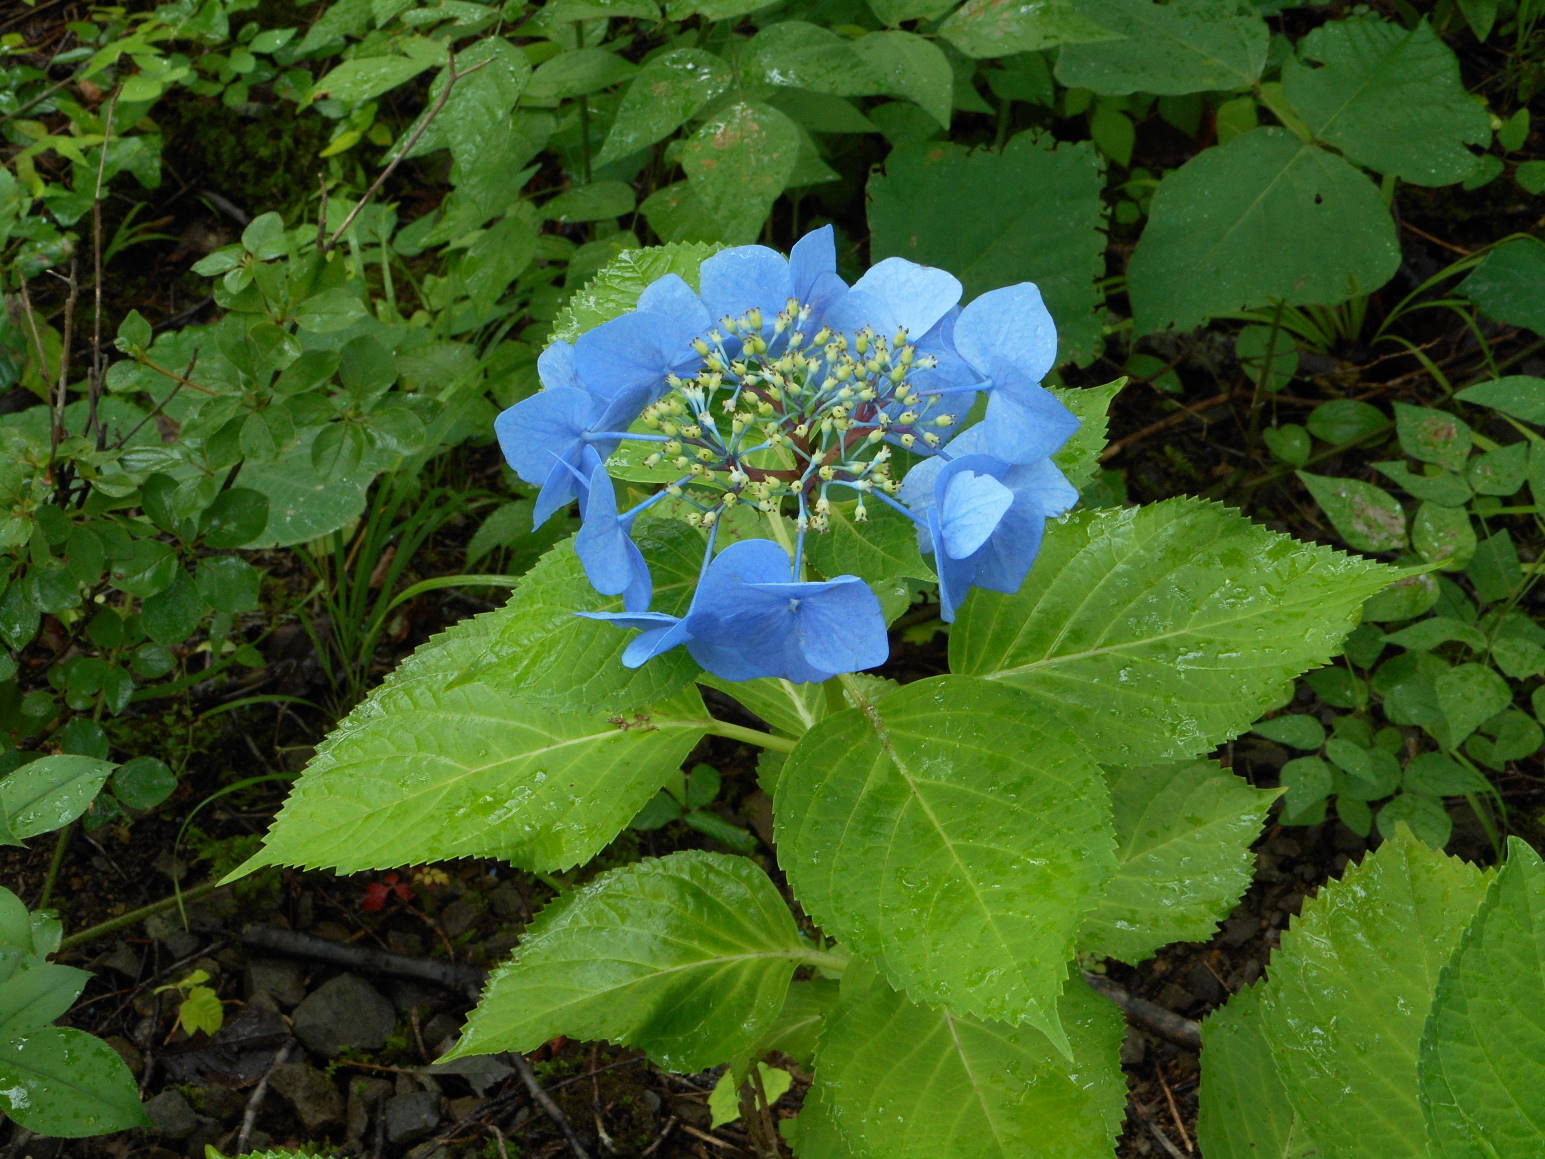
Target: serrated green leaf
616, 288
1389, 97
1366, 516
50, 792
1158, 632
686, 957
903, 1081
737, 163
1079, 457
663, 95
1482, 1072
1509, 285
63, 1082
1262, 219
1183, 836
540, 648
1362, 959
1245, 1112
476, 771
914, 831
938, 204
1299, 730
988, 28
357, 81
1185, 46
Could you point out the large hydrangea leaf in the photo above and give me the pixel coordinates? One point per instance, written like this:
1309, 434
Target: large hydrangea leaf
516, 734
687, 957
616, 287
1157, 632
939, 204
1264, 218
1350, 989
948, 832
1482, 1070
1183, 836
1245, 1112
896, 1080
1390, 98
1184, 46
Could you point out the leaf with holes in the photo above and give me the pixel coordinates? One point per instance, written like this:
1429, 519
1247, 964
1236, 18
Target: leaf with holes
1389, 97
1262, 219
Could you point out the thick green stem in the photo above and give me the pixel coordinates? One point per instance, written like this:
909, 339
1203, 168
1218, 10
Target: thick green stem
134, 917
766, 740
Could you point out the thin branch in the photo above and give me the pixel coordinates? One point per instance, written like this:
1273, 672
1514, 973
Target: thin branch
451, 77
1150, 1015
249, 1116
545, 1101
56, 427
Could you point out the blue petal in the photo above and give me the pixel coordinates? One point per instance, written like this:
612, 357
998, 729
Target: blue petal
720, 593
671, 295
912, 296
559, 489
841, 628
633, 351
813, 272
954, 574
549, 424
612, 561
657, 633
1008, 335
1025, 425
555, 366
972, 507
735, 280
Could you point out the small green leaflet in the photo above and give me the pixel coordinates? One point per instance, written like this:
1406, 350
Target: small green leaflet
949, 834
50, 792
904, 1081
1183, 859
737, 163
63, 1082
1366, 516
992, 28
1158, 632
663, 95
687, 957
1509, 285
1185, 46
1481, 1070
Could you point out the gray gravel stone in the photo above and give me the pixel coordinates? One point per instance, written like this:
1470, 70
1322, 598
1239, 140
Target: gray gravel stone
412, 1117
173, 1116
311, 1094
342, 1012
285, 980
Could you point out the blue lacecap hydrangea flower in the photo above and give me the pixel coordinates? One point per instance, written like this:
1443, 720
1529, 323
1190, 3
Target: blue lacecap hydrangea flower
778, 387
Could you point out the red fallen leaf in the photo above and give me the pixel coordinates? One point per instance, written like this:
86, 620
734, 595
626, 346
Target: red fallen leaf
377, 892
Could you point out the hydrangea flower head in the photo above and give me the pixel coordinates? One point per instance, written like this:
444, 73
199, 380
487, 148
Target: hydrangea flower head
777, 389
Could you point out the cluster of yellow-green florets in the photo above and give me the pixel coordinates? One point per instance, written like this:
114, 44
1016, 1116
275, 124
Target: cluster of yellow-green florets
789, 415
